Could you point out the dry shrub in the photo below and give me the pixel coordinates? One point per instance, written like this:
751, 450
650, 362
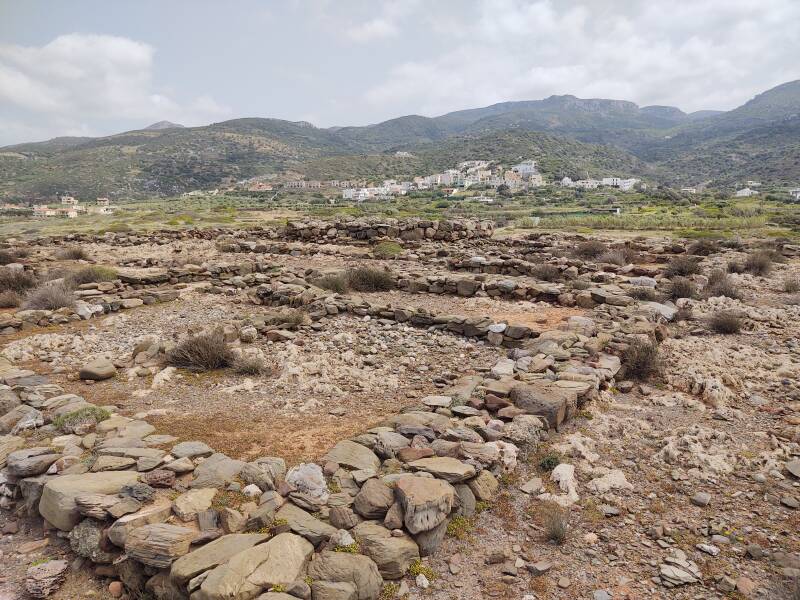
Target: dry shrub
725, 322
591, 249
546, 272
641, 359
91, 274
683, 314
703, 247
683, 266
250, 365
721, 284
681, 287
555, 522
288, 318
367, 279
72, 253
10, 299
580, 284
203, 352
334, 283
50, 296
15, 280
641, 292
735, 267
7, 257
791, 285
759, 263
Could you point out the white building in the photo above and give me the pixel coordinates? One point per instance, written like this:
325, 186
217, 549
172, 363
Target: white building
69, 200
745, 193
627, 185
611, 181
587, 184
525, 168
567, 182
795, 193
689, 190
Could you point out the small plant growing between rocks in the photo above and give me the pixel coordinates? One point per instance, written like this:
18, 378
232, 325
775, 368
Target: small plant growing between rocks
249, 365
334, 283
367, 279
682, 287
204, 352
50, 296
418, 568
389, 591
91, 274
10, 299
72, 253
641, 359
725, 322
16, 281
546, 272
591, 249
481, 506
387, 249
278, 589
758, 263
791, 285
683, 266
703, 247
460, 527
353, 548
555, 523
643, 293
721, 284
85, 417
735, 267
550, 461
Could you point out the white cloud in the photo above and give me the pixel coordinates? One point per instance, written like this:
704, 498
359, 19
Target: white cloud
78, 81
696, 55
386, 25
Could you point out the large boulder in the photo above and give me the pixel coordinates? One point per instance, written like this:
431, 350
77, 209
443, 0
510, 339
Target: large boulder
373, 500
426, 501
212, 555
351, 454
280, 561
154, 513
216, 471
98, 370
57, 504
31, 461
393, 554
355, 569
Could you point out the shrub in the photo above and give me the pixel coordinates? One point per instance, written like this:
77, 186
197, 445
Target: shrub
681, 287
683, 266
641, 359
204, 352
791, 285
249, 365
72, 253
758, 263
366, 279
334, 283
6, 257
703, 247
735, 267
418, 568
725, 322
613, 257
546, 272
287, 318
387, 249
555, 522
683, 314
91, 274
580, 284
721, 284
15, 280
50, 296
88, 415
10, 299
550, 461
591, 249
460, 527
641, 292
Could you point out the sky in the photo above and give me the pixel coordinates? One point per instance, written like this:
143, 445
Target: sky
96, 67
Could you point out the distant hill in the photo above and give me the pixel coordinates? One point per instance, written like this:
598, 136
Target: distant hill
565, 134
163, 125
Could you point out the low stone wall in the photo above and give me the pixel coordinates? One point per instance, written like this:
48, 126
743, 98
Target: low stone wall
403, 229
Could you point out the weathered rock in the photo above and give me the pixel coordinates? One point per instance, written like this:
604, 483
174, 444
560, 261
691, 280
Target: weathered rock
444, 467
212, 555
393, 554
333, 590
57, 504
112, 463
280, 561
30, 461
216, 471
86, 540
191, 450
98, 370
484, 486
44, 579
374, 499
341, 567
304, 524
426, 502
353, 455
544, 400
156, 513
158, 545
429, 541
187, 505
95, 505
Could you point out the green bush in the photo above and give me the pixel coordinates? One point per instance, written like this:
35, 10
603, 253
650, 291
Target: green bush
88, 415
387, 249
550, 461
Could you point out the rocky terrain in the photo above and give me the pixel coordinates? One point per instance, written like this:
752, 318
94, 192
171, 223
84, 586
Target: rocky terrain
401, 409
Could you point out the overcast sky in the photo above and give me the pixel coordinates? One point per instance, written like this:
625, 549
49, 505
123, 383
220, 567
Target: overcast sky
94, 67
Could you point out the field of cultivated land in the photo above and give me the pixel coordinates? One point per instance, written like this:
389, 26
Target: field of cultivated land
364, 408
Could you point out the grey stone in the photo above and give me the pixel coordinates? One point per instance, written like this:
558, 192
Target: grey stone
393, 554
356, 569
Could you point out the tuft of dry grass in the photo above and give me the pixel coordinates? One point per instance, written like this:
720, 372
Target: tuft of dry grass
641, 359
683, 266
7, 257
50, 296
791, 285
555, 522
367, 279
250, 365
334, 283
16, 281
721, 284
546, 272
682, 287
91, 274
10, 299
204, 352
725, 322
590, 249
72, 253
643, 293
759, 263
703, 247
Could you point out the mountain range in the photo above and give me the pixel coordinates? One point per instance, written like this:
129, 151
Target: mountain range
566, 135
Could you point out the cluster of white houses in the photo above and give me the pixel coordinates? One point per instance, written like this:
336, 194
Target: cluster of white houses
624, 185
71, 207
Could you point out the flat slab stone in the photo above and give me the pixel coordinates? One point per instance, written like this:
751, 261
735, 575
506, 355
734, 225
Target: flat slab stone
305, 524
353, 455
212, 555
191, 449
158, 545
450, 469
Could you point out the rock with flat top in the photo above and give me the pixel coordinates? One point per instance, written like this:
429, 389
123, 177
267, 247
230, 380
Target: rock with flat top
158, 545
392, 553
187, 505
444, 467
426, 502
341, 567
44, 579
305, 524
98, 370
212, 555
351, 454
